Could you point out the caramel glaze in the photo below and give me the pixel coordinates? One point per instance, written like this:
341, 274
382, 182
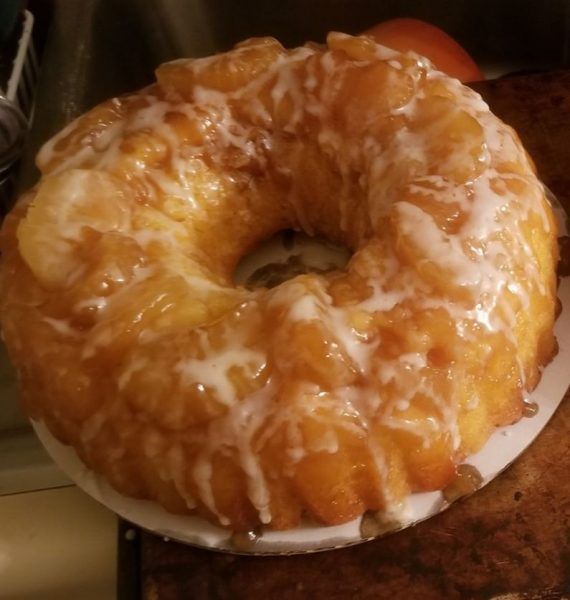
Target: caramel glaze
530, 409
332, 393
466, 481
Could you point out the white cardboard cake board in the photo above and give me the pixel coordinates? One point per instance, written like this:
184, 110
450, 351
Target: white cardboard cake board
502, 448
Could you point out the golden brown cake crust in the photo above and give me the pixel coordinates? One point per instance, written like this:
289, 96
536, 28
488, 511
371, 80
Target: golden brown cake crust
330, 394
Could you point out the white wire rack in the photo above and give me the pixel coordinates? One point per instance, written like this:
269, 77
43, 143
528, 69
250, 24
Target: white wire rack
20, 91
23, 79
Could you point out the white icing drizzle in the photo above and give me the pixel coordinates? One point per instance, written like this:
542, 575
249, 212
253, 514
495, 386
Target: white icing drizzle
398, 189
202, 473
212, 371
436, 246
62, 326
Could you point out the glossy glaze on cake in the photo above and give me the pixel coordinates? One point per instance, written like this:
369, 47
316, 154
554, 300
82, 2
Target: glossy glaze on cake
331, 394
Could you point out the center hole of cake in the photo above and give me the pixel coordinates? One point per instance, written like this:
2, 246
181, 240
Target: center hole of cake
287, 254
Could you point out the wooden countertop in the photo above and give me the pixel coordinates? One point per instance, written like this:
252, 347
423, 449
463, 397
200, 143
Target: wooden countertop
509, 540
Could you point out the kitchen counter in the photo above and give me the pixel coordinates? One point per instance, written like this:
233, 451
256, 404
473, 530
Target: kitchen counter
56, 544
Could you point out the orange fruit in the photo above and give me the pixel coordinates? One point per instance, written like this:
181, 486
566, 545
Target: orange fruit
429, 41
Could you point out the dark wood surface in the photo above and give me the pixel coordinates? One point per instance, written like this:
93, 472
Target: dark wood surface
511, 540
